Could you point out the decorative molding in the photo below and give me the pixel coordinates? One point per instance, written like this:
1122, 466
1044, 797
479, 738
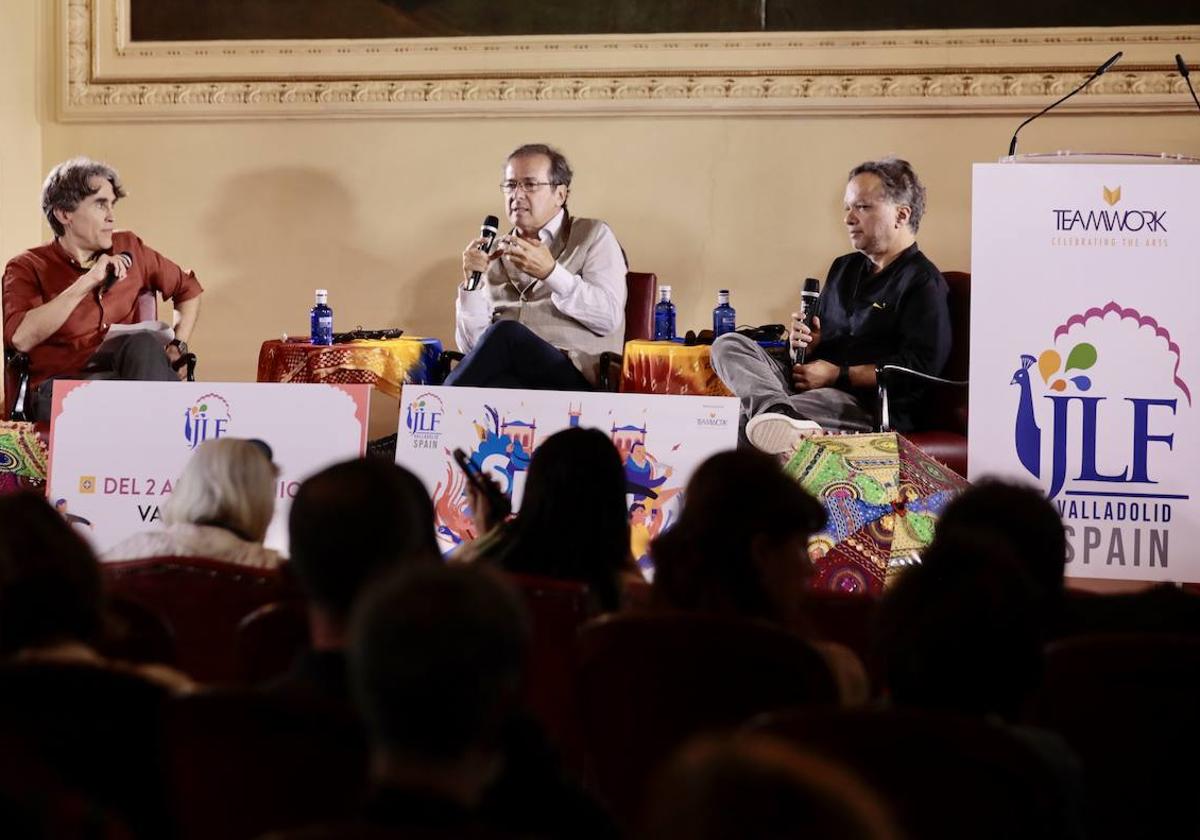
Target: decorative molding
106, 76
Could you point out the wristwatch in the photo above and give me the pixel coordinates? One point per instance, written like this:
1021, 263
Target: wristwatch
180, 345
843, 379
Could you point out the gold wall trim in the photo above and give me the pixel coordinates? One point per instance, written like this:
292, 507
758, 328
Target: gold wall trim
106, 76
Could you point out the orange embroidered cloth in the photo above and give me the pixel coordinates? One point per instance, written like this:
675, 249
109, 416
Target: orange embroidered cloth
387, 364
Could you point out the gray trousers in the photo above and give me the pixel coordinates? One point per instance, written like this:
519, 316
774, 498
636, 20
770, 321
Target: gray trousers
763, 383
135, 357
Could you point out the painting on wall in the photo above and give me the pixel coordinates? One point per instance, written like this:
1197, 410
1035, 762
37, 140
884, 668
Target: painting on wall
204, 20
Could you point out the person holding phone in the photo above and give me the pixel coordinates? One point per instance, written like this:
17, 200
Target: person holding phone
573, 523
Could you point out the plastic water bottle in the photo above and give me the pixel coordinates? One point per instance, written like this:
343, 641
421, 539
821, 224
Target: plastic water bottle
321, 317
664, 315
724, 315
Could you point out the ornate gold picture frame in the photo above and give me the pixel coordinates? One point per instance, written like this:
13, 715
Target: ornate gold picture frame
106, 75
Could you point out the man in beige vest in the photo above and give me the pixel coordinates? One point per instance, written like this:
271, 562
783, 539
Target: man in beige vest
552, 296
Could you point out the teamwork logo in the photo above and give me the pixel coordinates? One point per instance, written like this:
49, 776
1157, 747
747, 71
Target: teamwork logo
1099, 408
207, 418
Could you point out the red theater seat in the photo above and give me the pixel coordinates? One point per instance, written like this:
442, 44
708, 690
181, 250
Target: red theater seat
647, 682
202, 601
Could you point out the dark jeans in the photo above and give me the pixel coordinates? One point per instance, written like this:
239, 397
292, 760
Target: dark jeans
137, 357
510, 355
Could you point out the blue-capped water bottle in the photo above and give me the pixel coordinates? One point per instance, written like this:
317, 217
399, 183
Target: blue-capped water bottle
724, 315
321, 318
664, 315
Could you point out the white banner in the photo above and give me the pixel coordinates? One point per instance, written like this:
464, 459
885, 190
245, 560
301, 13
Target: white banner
1084, 343
662, 439
116, 448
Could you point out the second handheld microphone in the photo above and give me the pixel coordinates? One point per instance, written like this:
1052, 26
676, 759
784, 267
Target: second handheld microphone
808, 308
491, 226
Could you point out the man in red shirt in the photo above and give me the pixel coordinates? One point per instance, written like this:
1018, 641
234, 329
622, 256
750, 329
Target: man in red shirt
61, 299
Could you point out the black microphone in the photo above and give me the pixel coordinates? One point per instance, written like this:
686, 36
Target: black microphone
1183, 71
488, 233
808, 308
110, 272
1100, 71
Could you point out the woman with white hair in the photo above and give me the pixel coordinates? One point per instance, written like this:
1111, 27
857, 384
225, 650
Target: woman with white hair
219, 508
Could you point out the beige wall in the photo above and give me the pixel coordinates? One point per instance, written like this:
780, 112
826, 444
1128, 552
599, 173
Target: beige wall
378, 209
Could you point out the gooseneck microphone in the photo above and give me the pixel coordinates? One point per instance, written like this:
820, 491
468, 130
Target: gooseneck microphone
1183, 71
110, 272
491, 226
1100, 71
808, 308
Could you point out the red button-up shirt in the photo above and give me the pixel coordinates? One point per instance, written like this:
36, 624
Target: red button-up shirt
41, 274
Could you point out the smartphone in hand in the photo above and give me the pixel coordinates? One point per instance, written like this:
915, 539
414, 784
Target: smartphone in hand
496, 500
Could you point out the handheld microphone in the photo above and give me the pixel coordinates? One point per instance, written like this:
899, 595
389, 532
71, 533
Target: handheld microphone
488, 233
110, 273
1183, 71
808, 308
1100, 71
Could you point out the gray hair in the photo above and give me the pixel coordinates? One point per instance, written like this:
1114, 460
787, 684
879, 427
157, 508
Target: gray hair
900, 184
70, 182
229, 482
560, 170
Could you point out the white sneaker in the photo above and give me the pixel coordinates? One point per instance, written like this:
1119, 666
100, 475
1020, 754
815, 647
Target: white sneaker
776, 433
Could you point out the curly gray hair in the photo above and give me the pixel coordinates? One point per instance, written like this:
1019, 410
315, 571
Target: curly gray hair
900, 184
70, 182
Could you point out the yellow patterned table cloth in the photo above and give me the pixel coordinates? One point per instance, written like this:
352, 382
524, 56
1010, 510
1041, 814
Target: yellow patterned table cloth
386, 363
668, 367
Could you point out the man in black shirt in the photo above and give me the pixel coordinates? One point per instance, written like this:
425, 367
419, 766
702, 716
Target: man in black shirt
883, 304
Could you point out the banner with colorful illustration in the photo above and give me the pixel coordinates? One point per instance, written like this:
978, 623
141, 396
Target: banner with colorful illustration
116, 448
661, 439
1085, 327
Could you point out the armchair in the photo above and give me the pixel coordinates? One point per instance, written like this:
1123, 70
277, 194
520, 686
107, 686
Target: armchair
640, 291
942, 422
16, 367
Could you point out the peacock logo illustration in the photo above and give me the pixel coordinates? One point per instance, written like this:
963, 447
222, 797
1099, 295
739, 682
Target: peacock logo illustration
1068, 400
207, 417
1055, 377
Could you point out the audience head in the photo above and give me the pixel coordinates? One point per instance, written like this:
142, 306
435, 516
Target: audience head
50, 588
898, 184
230, 483
354, 521
749, 787
741, 544
960, 631
72, 181
573, 522
1021, 517
436, 660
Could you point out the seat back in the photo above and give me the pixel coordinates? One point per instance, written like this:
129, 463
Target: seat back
269, 640
557, 608
646, 682
202, 601
1001, 787
241, 763
1126, 703
641, 289
97, 729
945, 408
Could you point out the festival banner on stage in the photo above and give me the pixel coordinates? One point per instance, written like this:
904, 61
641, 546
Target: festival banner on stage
117, 448
1085, 328
661, 439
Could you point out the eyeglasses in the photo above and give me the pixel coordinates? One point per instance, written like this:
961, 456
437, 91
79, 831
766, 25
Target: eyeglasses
527, 186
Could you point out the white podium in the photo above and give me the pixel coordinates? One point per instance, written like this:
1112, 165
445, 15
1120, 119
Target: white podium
1085, 325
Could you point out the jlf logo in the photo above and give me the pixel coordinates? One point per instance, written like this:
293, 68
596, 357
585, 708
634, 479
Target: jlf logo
207, 419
